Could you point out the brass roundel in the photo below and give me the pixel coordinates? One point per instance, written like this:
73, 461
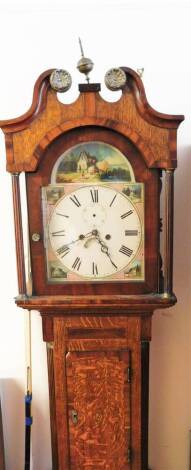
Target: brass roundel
60, 80
36, 237
115, 79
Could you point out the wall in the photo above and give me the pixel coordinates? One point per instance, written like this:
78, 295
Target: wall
37, 35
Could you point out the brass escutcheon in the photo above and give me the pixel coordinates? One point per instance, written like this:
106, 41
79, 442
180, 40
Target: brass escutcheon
74, 416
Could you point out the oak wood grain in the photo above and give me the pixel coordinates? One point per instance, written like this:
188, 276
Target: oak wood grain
68, 305
156, 130
98, 334
97, 385
99, 392
51, 383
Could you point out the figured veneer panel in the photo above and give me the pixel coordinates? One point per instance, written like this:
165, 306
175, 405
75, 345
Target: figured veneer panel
99, 381
99, 393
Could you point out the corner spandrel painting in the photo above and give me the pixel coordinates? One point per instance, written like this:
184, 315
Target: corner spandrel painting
91, 162
81, 165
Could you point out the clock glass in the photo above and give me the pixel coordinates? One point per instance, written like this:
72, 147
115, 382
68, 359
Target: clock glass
93, 217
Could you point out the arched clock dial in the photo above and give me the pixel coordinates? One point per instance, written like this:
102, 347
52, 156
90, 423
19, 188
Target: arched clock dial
95, 231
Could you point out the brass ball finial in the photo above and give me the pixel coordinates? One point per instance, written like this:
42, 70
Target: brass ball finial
84, 65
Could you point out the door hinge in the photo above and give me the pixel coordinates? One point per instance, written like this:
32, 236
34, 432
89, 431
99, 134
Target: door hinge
129, 374
129, 455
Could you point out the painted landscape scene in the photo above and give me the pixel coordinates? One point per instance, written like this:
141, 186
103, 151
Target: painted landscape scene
134, 191
92, 162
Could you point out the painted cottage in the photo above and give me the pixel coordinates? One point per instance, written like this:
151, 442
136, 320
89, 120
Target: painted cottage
82, 164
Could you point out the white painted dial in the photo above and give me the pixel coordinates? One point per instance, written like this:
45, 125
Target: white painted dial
95, 231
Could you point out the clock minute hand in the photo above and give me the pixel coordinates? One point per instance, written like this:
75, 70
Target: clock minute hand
112, 262
105, 249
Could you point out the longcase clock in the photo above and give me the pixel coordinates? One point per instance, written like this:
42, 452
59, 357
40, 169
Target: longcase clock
93, 184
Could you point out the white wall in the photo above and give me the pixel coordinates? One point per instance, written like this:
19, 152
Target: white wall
34, 36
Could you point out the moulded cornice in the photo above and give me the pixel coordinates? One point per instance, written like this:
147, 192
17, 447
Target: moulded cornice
152, 132
147, 112
42, 87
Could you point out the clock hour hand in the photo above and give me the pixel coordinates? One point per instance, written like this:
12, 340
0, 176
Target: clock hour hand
81, 237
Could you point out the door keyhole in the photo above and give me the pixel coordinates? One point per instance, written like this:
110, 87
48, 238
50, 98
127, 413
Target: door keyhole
74, 416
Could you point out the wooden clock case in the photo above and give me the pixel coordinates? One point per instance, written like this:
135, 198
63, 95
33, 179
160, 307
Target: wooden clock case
97, 334
151, 184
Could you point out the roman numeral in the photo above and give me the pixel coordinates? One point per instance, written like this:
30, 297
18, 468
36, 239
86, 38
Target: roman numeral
131, 233
63, 250
77, 263
59, 233
113, 200
94, 269
126, 251
94, 195
63, 215
74, 199
126, 214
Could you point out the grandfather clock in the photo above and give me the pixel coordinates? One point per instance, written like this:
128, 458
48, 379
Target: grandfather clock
93, 184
